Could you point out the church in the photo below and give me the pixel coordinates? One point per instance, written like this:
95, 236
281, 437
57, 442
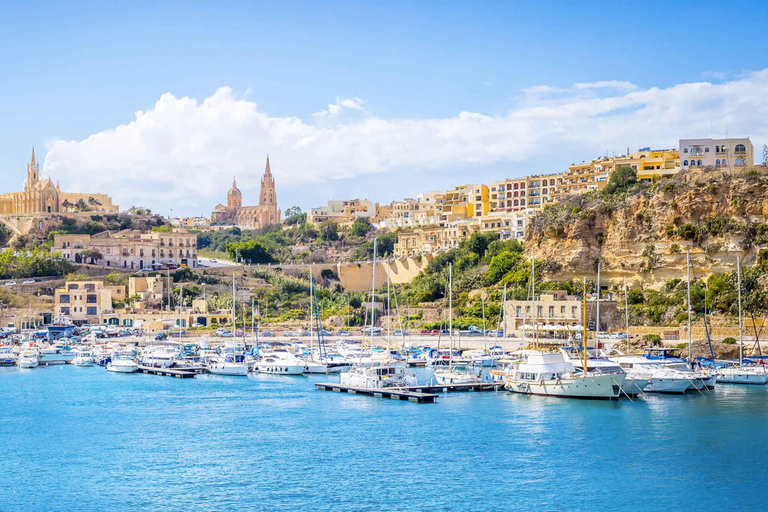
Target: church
42, 196
253, 217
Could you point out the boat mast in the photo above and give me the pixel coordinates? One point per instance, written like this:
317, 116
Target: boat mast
535, 300
741, 338
626, 311
504, 326
450, 313
584, 315
373, 298
690, 334
234, 324
389, 313
597, 314
311, 308
485, 343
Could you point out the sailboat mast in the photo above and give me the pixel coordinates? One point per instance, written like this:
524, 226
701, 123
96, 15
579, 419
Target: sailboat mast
450, 312
311, 308
485, 343
373, 298
626, 311
234, 313
597, 314
584, 315
389, 312
504, 311
741, 338
690, 334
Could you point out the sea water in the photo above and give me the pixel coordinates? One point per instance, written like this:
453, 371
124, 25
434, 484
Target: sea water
74, 438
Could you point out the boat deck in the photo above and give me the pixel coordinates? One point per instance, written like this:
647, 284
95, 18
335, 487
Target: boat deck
167, 372
391, 393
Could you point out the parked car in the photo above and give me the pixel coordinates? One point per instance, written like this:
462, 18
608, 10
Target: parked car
11, 283
401, 332
161, 336
147, 269
374, 330
32, 281
171, 266
326, 333
425, 332
227, 334
343, 332
197, 325
444, 332
289, 334
267, 334
214, 260
305, 333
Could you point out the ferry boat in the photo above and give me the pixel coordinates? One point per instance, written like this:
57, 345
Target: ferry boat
549, 374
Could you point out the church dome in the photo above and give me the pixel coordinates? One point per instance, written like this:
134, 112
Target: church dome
234, 196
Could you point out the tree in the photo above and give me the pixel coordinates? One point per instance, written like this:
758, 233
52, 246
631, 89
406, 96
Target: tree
500, 266
116, 279
90, 254
621, 180
93, 202
139, 210
67, 205
81, 205
329, 231
294, 215
478, 243
360, 227
251, 251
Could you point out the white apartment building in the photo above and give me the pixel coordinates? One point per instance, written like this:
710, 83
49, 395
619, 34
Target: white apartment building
716, 154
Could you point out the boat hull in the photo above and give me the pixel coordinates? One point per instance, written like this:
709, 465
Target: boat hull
280, 369
667, 385
121, 368
737, 376
595, 387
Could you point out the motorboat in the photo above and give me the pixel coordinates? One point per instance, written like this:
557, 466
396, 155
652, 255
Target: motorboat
742, 374
455, 375
480, 358
598, 363
279, 362
159, 356
445, 357
7, 357
227, 365
666, 371
549, 374
83, 358
122, 364
28, 359
58, 353
376, 377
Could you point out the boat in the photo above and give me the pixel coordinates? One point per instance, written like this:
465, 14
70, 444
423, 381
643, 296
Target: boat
380, 375
7, 357
598, 363
58, 353
227, 366
122, 364
83, 358
28, 359
549, 374
279, 361
666, 372
159, 356
741, 373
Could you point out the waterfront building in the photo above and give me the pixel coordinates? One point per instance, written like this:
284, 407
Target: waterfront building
131, 249
251, 217
86, 301
553, 310
41, 196
716, 154
343, 211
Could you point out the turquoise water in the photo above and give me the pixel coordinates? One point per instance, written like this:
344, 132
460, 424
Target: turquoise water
84, 439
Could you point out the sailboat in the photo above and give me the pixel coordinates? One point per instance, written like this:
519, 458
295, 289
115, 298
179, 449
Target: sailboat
453, 374
550, 374
319, 361
379, 375
228, 365
741, 374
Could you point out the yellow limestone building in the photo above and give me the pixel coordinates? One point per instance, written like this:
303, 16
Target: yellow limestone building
42, 196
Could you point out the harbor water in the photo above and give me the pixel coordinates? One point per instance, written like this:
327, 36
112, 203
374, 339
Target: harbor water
75, 438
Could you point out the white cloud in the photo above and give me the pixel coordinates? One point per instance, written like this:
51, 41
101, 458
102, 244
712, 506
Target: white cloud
182, 153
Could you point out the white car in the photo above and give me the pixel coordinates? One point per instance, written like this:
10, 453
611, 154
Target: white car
11, 283
213, 260
32, 281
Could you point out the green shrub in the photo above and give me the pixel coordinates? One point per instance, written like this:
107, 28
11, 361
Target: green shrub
729, 341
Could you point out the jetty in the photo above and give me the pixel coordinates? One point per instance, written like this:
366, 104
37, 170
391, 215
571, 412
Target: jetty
454, 388
167, 372
391, 393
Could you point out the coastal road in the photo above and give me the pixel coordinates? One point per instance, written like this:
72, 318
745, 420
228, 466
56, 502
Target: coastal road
207, 263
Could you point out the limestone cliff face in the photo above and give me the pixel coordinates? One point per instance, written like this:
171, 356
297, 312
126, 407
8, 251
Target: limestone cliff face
645, 233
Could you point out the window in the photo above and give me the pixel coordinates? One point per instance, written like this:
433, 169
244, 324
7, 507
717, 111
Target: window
64, 311
90, 298
540, 311
551, 311
717, 162
64, 299
717, 149
72, 287
562, 310
519, 311
685, 162
685, 150
527, 309
740, 148
573, 311
740, 161
698, 162
90, 310
706, 150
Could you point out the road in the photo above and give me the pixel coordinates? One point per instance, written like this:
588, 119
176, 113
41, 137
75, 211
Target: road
207, 263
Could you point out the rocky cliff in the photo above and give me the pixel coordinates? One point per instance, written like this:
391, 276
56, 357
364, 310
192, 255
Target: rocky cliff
643, 234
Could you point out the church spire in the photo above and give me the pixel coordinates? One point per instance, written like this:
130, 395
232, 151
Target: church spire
33, 156
234, 182
267, 171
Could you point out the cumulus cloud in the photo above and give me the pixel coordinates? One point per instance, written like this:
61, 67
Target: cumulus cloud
182, 153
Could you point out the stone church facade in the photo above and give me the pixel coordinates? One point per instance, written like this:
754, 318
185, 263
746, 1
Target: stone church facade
42, 196
253, 217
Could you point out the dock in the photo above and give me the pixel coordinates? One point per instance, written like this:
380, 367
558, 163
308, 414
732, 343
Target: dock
167, 372
455, 388
391, 393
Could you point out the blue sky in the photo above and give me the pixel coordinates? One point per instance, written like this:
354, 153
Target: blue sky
70, 71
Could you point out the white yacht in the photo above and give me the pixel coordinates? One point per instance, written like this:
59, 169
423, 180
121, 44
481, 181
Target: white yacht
227, 366
28, 359
159, 356
122, 364
7, 357
549, 374
455, 375
598, 363
375, 377
59, 353
665, 370
279, 362
742, 374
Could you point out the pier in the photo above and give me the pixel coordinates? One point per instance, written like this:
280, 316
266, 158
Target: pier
167, 372
454, 388
391, 393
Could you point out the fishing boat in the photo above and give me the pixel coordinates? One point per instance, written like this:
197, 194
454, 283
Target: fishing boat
122, 364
